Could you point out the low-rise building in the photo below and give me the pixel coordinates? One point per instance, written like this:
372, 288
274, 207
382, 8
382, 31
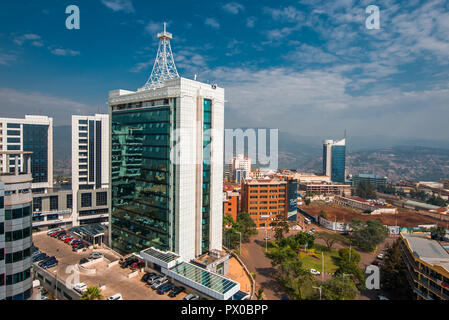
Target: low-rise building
324, 188
373, 179
231, 204
265, 200
428, 267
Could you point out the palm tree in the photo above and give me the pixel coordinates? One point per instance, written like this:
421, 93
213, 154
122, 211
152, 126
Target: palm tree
92, 293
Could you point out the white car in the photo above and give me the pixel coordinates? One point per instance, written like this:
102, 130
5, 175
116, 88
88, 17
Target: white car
96, 255
383, 298
80, 287
315, 272
117, 296
380, 256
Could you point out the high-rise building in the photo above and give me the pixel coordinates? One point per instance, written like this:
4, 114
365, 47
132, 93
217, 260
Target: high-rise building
90, 167
334, 160
167, 163
33, 134
15, 226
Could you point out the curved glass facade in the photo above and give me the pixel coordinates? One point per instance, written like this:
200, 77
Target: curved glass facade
338, 163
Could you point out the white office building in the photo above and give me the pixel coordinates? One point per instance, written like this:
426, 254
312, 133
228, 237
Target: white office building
167, 163
32, 134
90, 167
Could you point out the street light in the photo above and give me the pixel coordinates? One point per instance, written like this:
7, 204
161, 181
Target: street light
266, 238
318, 288
322, 267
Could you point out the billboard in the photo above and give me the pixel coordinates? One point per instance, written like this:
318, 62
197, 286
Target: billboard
292, 194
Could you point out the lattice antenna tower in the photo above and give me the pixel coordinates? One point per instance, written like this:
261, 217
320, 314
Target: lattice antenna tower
164, 67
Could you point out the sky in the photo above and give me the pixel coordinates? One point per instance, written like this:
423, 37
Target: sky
309, 67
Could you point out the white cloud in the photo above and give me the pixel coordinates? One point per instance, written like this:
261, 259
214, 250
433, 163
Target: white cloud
64, 52
141, 66
250, 22
233, 7
34, 38
119, 5
5, 59
212, 22
16, 103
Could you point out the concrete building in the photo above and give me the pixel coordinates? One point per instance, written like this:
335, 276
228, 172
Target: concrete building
167, 163
240, 167
375, 180
334, 160
324, 188
90, 166
428, 267
265, 200
32, 134
15, 226
231, 204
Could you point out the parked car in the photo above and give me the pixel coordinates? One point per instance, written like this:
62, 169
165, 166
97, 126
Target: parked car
383, 298
117, 296
96, 255
66, 240
146, 276
192, 297
175, 291
80, 287
128, 262
375, 262
84, 260
54, 230
315, 272
153, 279
79, 247
40, 257
74, 241
163, 289
159, 283
42, 262
50, 264
137, 265
61, 235
380, 256
54, 234
36, 253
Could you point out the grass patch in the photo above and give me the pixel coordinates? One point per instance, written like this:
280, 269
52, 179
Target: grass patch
312, 259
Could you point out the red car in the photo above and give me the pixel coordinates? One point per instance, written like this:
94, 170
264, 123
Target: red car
137, 265
54, 234
68, 239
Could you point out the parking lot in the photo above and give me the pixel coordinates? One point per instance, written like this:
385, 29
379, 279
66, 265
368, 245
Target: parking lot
113, 278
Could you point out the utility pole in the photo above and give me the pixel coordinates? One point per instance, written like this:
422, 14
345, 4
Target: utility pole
322, 268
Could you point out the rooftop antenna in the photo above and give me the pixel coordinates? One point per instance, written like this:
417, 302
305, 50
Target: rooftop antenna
164, 67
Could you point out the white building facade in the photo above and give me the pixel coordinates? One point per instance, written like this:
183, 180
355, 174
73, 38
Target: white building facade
90, 166
32, 134
167, 168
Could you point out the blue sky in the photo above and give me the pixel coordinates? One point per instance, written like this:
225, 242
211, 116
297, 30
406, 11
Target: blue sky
307, 67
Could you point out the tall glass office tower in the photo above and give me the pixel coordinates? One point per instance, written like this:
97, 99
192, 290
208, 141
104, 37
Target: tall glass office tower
334, 159
167, 163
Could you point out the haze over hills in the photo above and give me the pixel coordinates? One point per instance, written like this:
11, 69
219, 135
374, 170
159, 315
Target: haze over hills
396, 158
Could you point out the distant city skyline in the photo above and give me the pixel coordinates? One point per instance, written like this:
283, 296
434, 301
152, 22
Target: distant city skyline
309, 68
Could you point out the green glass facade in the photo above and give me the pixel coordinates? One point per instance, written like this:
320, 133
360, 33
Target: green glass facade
140, 179
207, 126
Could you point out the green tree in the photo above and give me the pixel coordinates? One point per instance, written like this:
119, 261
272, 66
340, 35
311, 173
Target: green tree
438, 232
246, 226
437, 201
366, 190
92, 293
323, 214
393, 273
339, 288
307, 201
280, 226
348, 265
330, 238
368, 236
304, 238
260, 294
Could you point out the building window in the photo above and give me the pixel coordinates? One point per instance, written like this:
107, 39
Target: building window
37, 204
86, 200
54, 203
2, 202
102, 199
69, 201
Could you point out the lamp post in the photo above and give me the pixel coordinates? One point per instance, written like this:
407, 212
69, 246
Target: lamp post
266, 238
322, 267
